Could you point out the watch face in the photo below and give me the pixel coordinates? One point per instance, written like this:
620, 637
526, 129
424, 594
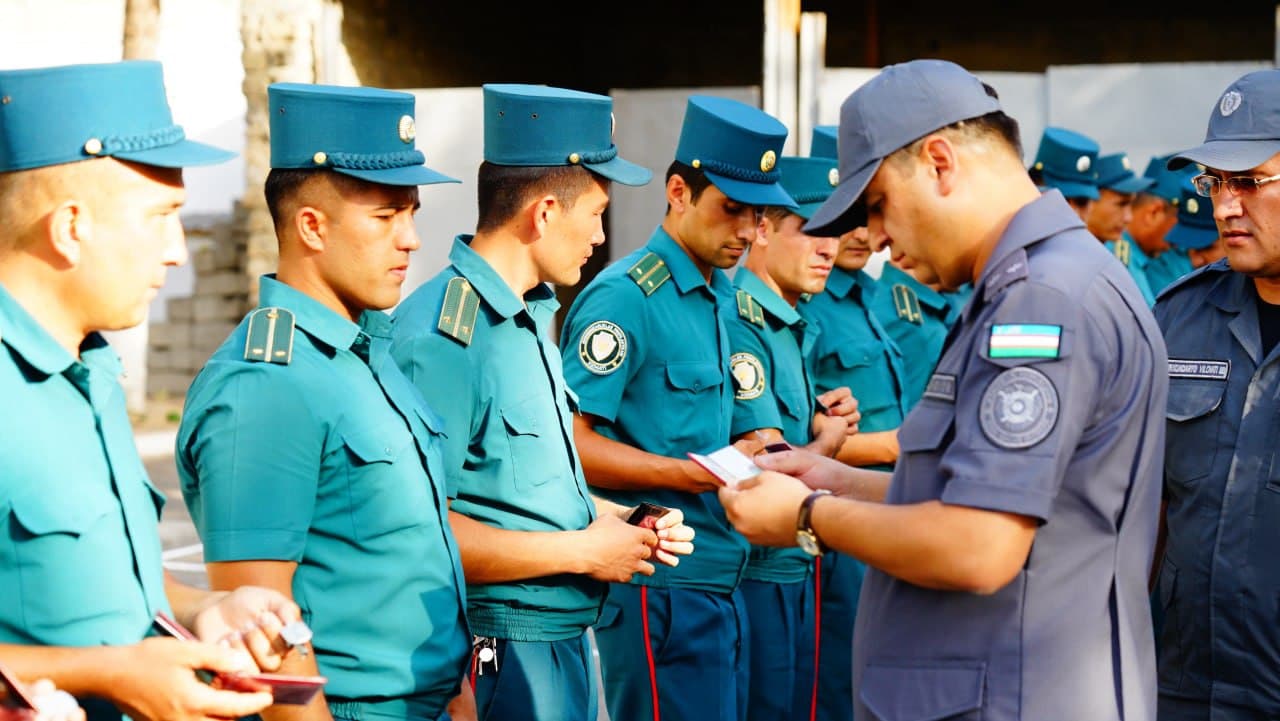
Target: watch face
808, 543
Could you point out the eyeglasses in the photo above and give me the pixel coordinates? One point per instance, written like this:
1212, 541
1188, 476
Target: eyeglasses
1208, 186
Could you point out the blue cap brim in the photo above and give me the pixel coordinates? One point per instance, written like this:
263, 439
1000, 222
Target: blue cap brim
748, 193
410, 175
184, 154
1072, 190
1233, 156
1131, 185
842, 212
622, 171
1189, 237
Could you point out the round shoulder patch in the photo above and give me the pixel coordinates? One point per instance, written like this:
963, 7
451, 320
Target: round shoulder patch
748, 376
1019, 408
602, 348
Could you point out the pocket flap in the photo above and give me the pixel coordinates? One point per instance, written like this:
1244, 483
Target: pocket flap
694, 376
519, 421
1191, 398
44, 515
376, 445
857, 355
924, 690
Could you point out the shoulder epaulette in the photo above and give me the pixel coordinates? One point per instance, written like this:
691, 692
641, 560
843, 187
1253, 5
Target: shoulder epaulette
458, 315
750, 309
650, 272
1214, 268
907, 303
270, 336
1122, 251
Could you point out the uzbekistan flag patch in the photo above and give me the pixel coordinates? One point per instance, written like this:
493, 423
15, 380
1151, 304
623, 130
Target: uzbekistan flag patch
1024, 340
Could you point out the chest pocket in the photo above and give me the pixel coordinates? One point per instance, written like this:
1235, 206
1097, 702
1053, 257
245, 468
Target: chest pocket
386, 482
1192, 431
892, 691
866, 375
535, 448
794, 403
693, 401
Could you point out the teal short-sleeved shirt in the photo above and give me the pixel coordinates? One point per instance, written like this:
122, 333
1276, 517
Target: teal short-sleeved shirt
79, 550
509, 452
1167, 267
647, 353
853, 349
917, 318
770, 351
332, 462
1136, 262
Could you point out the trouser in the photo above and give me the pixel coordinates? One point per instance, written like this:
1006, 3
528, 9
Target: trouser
841, 582
783, 647
536, 681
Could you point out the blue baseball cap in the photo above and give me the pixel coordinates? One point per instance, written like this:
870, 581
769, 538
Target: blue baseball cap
736, 146
1196, 228
897, 107
536, 125
823, 143
1067, 161
1244, 126
810, 181
1115, 173
65, 114
366, 133
1167, 184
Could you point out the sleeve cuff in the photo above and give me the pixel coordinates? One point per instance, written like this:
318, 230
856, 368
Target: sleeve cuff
254, 545
992, 497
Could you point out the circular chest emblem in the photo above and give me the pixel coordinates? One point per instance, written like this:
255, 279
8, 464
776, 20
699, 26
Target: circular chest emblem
748, 376
407, 128
602, 347
1019, 408
768, 160
1193, 206
1083, 163
1230, 103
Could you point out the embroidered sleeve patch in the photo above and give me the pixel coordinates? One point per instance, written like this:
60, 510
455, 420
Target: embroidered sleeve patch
748, 376
1212, 370
1019, 408
1024, 340
602, 347
942, 387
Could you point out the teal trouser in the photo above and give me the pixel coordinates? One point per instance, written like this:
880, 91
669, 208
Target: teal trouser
841, 582
783, 638
683, 649
394, 709
537, 681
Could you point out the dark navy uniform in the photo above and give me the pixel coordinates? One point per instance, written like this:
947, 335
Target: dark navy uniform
1220, 580
1045, 403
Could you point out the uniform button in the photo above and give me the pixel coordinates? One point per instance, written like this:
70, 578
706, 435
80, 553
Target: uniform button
387, 450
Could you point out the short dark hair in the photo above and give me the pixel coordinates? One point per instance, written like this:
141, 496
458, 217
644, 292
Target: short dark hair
502, 190
694, 178
284, 183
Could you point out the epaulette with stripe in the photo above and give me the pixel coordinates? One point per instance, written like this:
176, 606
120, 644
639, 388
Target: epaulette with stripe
270, 336
1122, 251
907, 303
650, 272
458, 314
750, 309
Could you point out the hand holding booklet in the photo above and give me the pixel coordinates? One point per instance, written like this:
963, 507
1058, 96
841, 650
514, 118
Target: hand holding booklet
728, 464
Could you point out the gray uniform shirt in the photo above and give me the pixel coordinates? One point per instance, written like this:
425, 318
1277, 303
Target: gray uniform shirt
1047, 402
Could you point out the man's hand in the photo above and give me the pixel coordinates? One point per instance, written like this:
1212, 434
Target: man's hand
764, 508
814, 470
52, 704
248, 618
840, 402
155, 680
614, 550
829, 434
674, 538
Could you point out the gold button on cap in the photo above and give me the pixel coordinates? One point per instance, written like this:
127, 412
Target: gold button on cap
93, 146
768, 160
574, 158
320, 158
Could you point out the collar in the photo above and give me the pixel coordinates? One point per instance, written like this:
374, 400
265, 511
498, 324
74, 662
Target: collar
1043, 217
841, 282
773, 304
1231, 291
1136, 255
684, 272
318, 320
926, 295
24, 334
491, 287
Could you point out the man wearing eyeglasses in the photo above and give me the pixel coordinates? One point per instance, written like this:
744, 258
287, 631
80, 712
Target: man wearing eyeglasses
1219, 583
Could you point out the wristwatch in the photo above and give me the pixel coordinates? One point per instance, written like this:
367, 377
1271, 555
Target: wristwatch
806, 538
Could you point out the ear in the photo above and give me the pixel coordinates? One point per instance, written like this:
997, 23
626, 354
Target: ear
678, 195
67, 227
940, 159
312, 227
542, 212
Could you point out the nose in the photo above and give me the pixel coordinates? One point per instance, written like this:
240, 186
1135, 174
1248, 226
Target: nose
747, 228
598, 237
1227, 205
175, 247
828, 247
408, 238
877, 239
1126, 217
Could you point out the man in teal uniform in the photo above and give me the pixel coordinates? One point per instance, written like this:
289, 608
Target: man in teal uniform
1197, 232
647, 354
309, 462
475, 340
1066, 161
1111, 214
90, 188
1155, 212
855, 351
916, 316
775, 400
